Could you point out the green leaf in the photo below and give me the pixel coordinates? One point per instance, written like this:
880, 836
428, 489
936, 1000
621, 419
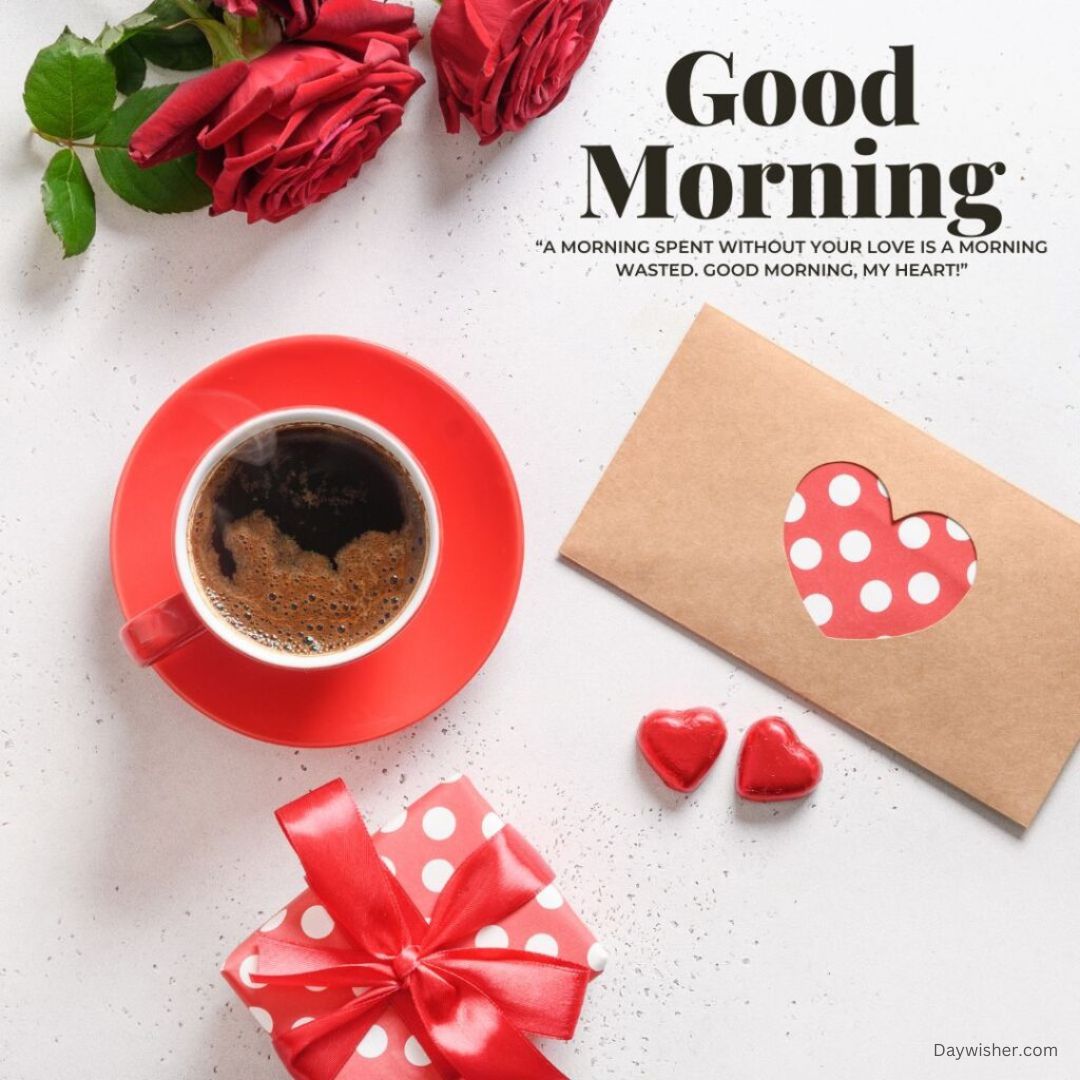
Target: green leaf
69, 204
130, 67
183, 48
172, 188
70, 89
113, 36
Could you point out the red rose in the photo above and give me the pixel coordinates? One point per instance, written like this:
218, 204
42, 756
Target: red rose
502, 63
295, 125
298, 15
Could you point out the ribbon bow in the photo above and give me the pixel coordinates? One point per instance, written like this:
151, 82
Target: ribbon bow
468, 1007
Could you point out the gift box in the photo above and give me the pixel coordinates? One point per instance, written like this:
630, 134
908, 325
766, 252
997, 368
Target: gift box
433, 947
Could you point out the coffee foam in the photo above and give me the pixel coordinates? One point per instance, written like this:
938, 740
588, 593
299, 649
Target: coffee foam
297, 600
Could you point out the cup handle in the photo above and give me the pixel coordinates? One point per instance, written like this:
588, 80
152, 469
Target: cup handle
155, 633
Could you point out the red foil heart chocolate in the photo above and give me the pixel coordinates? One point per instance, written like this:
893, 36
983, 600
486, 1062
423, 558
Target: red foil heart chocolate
774, 765
862, 575
681, 747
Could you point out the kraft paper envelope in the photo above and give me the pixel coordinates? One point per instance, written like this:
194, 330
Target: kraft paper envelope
689, 519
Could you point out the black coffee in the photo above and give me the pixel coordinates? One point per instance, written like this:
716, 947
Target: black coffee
308, 538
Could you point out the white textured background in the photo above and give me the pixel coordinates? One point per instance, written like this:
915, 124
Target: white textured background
841, 938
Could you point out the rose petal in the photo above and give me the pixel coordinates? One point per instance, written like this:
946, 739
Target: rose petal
171, 131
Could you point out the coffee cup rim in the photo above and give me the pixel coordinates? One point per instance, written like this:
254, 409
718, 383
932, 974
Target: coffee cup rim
228, 442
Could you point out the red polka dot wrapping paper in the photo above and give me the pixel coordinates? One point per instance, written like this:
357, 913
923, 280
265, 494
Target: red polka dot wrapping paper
937, 613
422, 846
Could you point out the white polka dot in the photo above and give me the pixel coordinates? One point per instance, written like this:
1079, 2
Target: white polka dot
795, 509
924, 588
396, 822
956, 530
274, 921
844, 490
875, 596
819, 607
315, 989
491, 824
549, 898
598, 956
439, 823
855, 545
316, 922
544, 944
374, 1043
262, 1018
389, 864
436, 874
492, 937
302, 1021
971, 573
883, 490
247, 969
805, 553
415, 1053
914, 532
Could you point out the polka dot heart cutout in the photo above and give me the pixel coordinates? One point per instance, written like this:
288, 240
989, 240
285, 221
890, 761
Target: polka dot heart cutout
860, 573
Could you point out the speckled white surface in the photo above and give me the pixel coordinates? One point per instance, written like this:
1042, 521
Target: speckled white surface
841, 938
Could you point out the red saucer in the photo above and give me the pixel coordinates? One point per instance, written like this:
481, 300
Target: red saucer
472, 595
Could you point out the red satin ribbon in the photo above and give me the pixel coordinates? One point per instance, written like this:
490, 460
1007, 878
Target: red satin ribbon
468, 1007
